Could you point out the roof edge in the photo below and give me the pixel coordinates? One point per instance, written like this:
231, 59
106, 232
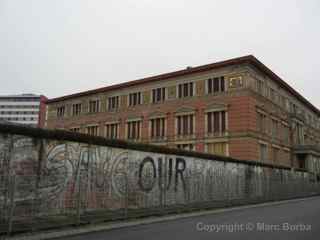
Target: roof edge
202, 68
169, 75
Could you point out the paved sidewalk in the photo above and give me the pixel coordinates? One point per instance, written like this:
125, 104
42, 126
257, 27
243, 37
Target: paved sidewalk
143, 221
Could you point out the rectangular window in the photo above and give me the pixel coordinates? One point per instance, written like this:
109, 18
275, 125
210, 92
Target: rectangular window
185, 90
286, 156
61, 111
294, 108
113, 103
275, 155
158, 95
133, 130
262, 122
76, 109
157, 127
299, 134
263, 152
94, 106
219, 148
272, 94
185, 125
75, 129
286, 134
216, 123
260, 87
187, 146
282, 101
216, 84
92, 130
112, 130
274, 128
276, 98
287, 104
134, 99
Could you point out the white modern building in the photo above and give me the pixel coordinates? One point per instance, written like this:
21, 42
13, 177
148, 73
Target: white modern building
22, 109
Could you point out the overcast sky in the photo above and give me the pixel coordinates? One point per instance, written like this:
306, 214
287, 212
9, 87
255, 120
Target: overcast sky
58, 47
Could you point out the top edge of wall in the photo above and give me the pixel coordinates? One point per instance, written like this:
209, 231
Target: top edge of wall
61, 135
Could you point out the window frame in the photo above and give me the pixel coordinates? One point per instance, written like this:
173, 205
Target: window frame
136, 130
116, 103
94, 105
154, 95
134, 99
117, 131
76, 109
153, 131
91, 126
186, 90
183, 124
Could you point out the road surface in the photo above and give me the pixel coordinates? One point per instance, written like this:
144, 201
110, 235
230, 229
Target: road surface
294, 220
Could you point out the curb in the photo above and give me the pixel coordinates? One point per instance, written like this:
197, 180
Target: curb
150, 220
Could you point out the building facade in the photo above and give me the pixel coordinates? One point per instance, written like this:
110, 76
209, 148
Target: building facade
238, 108
26, 109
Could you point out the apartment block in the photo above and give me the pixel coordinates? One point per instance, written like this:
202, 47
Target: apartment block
238, 108
28, 109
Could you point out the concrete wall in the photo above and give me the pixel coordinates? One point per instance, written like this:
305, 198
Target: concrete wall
45, 174
53, 167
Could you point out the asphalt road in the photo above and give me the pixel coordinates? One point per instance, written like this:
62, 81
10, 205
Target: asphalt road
295, 220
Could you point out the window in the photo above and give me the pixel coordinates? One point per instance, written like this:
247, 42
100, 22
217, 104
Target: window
216, 123
75, 129
112, 130
294, 108
187, 146
287, 104
76, 109
60, 111
185, 90
113, 103
134, 99
309, 119
219, 148
235, 82
276, 98
260, 87
275, 154
299, 133
272, 94
282, 101
286, 156
185, 125
263, 152
94, 106
158, 95
314, 122
262, 122
133, 130
92, 130
286, 134
274, 125
216, 85
157, 127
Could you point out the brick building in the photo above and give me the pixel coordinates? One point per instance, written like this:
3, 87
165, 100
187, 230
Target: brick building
237, 107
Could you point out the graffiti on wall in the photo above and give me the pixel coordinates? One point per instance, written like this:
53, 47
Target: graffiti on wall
56, 172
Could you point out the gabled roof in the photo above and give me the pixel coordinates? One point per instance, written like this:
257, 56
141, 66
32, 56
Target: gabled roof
249, 59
